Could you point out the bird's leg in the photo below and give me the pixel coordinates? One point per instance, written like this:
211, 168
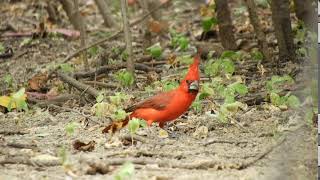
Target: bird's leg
149, 123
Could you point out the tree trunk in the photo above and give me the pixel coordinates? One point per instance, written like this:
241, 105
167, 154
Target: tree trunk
106, 13
306, 13
127, 35
283, 31
68, 7
261, 36
225, 25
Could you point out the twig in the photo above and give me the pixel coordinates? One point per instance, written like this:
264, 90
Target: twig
102, 84
213, 141
13, 132
78, 85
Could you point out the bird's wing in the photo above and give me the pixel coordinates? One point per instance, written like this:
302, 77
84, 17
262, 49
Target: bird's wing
158, 102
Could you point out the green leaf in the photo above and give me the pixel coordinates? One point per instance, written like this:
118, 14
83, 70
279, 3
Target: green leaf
134, 124
93, 51
186, 59
125, 171
276, 82
228, 66
100, 97
293, 101
70, 127
66, 68
143, 123
211, 68
208, 22
155, 50
125, 78
256, 55
229, 95
19, 98
228, 54
120, 114
169, 85
206, 91
275, 99
239, 88
197, 105
233, 107
183, 43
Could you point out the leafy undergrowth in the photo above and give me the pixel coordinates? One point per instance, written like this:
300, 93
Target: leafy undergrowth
244, 107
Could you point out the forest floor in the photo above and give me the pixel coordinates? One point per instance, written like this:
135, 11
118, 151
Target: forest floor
263, 141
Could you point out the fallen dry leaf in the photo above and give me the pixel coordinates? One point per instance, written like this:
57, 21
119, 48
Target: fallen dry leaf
81, 146
38, 81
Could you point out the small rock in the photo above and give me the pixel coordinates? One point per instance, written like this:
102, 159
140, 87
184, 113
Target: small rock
46, 160
163, 134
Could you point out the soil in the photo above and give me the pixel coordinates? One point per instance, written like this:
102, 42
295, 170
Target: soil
262, 142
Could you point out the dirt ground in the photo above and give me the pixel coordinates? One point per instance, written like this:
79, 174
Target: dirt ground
265, 142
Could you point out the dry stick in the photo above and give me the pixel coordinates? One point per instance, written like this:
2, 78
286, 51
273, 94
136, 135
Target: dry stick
102, 84
78, 85
116, 34
213, 141
106, 69
127, 36
261, 36
13, 132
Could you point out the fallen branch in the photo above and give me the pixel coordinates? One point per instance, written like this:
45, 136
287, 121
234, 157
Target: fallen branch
13, 132
102, 84
78, 85
108, 68
214, 141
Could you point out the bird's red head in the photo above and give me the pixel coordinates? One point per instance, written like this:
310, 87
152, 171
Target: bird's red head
191, 81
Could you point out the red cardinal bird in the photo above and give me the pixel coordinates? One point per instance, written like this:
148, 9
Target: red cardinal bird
166, 106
